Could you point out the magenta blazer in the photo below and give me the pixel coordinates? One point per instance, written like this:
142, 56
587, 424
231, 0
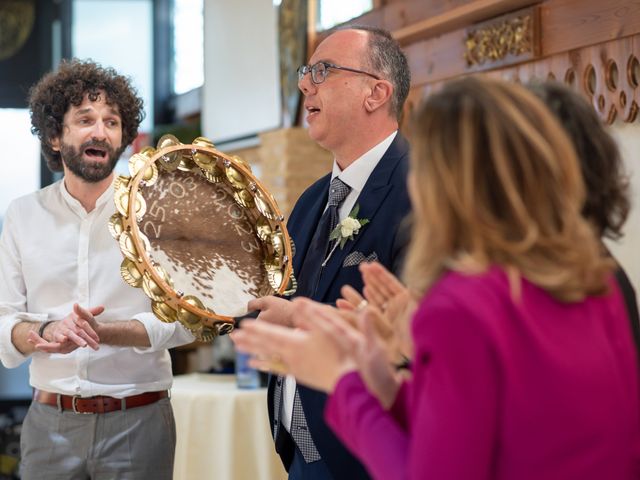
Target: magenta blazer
503, 389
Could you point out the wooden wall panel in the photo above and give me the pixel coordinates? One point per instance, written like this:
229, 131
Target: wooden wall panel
435, 59
569, 24
592, 45
607, 75
401, 13
443, 56
459, 17
633, 72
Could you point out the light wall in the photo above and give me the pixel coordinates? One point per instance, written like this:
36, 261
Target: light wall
21, 154
627, 249
241, 92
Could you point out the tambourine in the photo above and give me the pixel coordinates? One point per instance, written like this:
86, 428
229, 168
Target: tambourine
200, 235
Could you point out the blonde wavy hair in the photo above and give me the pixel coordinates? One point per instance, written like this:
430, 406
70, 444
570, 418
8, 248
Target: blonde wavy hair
495, 181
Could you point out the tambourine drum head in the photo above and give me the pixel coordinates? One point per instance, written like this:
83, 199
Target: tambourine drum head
200, 235
205, 241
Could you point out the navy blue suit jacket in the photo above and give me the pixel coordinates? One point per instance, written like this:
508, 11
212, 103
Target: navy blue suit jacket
385, 202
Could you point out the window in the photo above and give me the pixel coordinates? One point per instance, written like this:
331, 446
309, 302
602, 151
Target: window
188, 45
123, 41
333, 12
22, 150
24, 154
241, 95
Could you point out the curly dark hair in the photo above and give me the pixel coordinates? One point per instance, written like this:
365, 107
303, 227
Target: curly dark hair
607, 205
56, 92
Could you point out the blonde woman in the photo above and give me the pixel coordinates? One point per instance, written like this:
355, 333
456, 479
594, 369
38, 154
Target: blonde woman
524, 365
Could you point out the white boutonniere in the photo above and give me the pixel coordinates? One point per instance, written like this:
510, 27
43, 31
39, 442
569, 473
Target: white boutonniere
346, 230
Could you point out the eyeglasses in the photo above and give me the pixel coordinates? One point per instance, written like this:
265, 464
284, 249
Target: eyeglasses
320, 70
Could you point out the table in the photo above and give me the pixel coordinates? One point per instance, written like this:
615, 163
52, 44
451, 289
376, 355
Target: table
222, 431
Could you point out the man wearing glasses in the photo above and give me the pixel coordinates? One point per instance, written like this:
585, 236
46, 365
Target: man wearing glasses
354, 90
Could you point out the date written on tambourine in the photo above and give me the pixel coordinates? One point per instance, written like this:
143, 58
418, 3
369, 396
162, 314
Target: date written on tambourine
200, 235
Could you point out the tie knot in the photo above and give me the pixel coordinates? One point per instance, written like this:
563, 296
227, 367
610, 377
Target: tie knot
338, 191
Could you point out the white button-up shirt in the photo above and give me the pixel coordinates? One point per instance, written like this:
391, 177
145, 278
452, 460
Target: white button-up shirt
54, 254
356, 176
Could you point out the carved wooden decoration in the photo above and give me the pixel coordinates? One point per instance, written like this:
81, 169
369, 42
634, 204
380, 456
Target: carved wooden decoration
608, 75
503, 40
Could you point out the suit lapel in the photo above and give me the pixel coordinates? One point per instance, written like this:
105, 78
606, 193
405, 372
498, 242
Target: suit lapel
370, 200
308, 226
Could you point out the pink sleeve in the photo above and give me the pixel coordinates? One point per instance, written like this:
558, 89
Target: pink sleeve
400, 408
358, 419
453, 400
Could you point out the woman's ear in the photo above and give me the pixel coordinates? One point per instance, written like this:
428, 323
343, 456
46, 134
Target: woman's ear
380, 95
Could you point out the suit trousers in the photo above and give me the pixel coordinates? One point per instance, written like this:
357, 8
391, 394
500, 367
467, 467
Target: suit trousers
134, 444
301, 470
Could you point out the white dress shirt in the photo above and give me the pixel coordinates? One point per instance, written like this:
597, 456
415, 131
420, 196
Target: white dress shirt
356, 176
54, 254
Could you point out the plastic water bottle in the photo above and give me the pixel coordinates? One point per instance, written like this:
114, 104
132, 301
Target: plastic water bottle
246, 376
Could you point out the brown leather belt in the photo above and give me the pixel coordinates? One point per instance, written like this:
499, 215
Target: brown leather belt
97, 404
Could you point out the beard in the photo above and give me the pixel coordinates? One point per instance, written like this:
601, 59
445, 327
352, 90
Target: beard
87, 170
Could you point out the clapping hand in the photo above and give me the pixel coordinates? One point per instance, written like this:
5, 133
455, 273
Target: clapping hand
380, 285
78, 329
324, 348
390, 303
311, 353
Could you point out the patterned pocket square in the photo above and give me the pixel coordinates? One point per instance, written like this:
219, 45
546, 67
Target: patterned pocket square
356, 258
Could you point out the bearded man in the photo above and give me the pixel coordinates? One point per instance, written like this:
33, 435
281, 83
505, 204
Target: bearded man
100, 368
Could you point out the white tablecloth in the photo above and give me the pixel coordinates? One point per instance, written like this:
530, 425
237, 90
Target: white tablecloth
222, 431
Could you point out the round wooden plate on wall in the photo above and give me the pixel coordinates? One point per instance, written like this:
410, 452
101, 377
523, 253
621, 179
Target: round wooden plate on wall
17, 18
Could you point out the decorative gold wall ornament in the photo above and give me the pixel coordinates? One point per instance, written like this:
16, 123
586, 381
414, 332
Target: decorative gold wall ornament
16, 24
606, 74
503, 40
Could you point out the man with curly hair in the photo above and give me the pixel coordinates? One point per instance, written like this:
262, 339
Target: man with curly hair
100, 368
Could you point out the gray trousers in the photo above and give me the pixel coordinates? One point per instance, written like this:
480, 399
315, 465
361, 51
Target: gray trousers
133, 444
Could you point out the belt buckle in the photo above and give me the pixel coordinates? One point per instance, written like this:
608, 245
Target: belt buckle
74, 406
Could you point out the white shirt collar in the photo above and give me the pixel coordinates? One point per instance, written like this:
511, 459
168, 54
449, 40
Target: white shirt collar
76, 206
357, 174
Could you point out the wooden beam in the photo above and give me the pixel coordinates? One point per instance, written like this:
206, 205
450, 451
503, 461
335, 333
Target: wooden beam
569, 24
457, 17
